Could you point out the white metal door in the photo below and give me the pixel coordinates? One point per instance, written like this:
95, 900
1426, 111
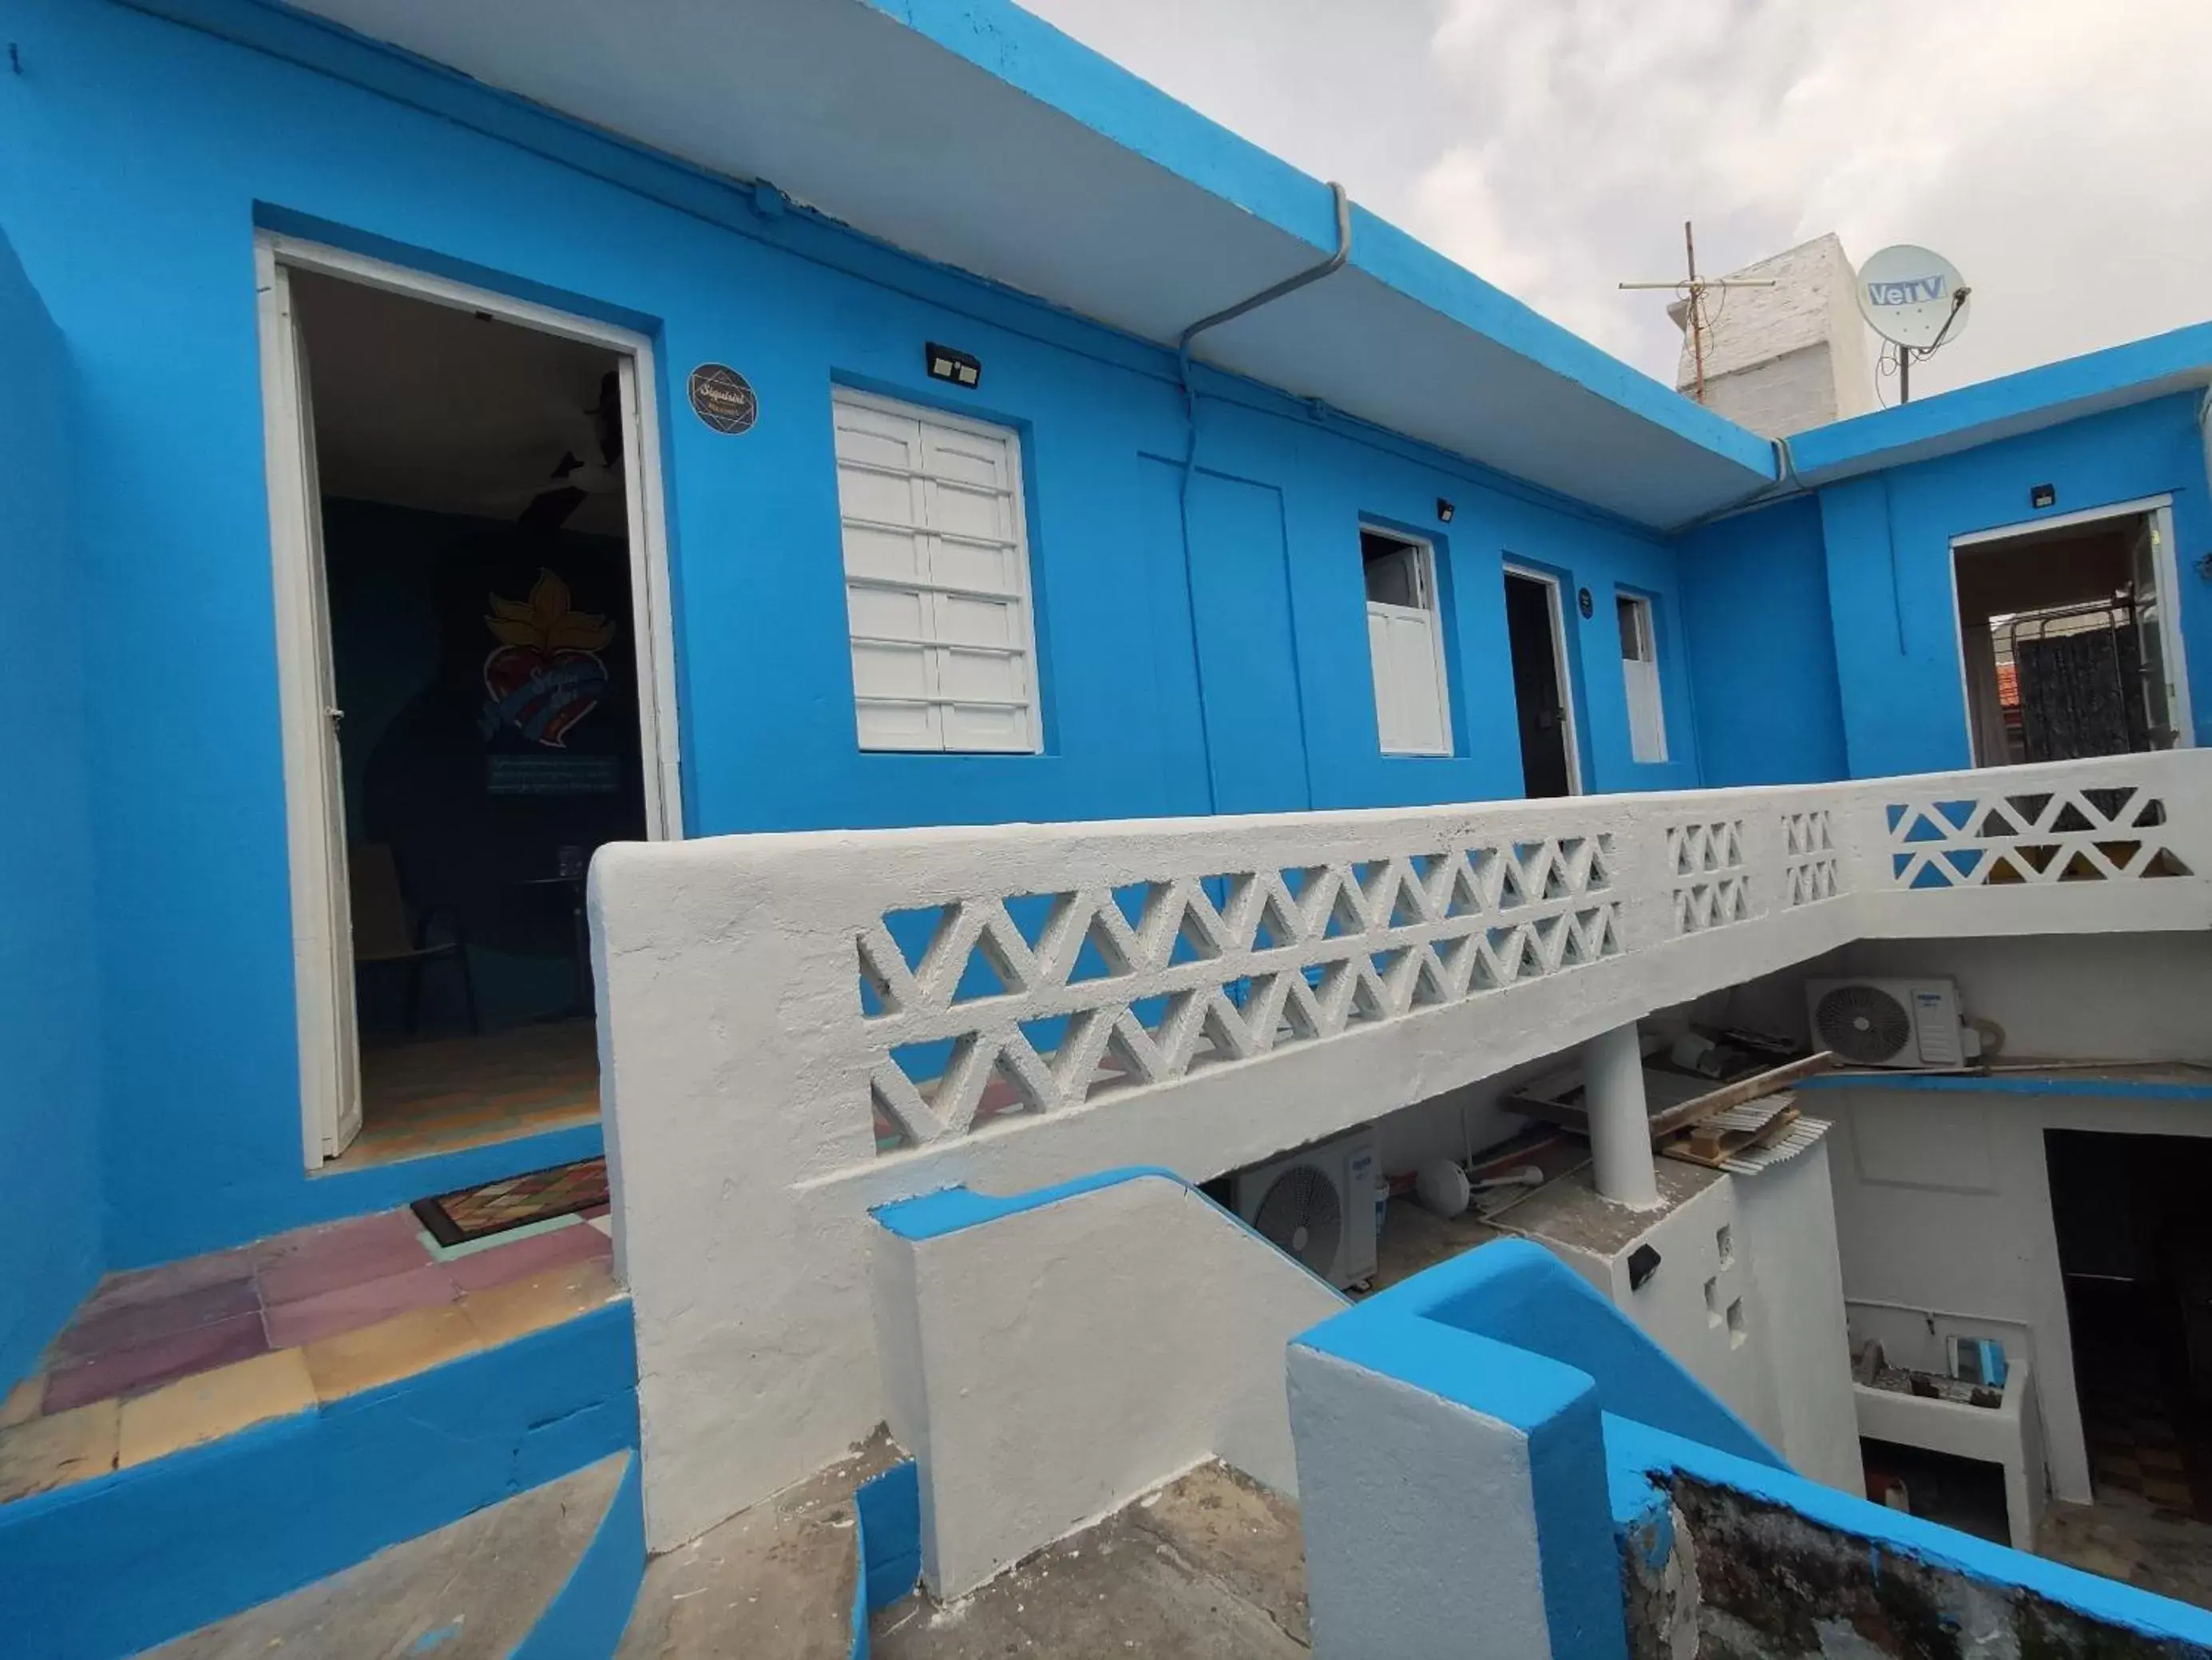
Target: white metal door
2164, 700
322, 921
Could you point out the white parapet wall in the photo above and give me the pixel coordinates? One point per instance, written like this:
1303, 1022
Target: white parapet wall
1046, 1359
1786, 1237
780, 1055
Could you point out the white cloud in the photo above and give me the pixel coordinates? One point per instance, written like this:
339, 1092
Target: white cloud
2054, 149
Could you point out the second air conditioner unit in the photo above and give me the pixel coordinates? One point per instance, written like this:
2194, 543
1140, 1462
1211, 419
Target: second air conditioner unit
1908, 1025
1318, 1204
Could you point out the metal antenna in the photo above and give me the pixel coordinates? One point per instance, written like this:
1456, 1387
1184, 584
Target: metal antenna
1693, 288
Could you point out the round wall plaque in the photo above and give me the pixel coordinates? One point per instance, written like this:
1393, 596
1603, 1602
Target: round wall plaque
1589, 606
723, 398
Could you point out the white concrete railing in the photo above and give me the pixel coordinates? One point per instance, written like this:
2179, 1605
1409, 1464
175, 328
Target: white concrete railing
1200, 994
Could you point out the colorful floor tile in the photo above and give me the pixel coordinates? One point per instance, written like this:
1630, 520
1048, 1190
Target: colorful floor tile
435, 1094
164, 1357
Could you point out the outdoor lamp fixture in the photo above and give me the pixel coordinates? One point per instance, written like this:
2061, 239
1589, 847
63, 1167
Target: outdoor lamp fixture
1444, 511
2042, 496
958, 367
1643, 1263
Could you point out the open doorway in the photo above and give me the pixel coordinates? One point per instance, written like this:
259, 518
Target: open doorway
470, 590
2135, 1246
2067, 641
1543, 694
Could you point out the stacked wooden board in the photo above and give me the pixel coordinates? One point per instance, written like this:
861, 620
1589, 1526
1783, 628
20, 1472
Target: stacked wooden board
1742, 1126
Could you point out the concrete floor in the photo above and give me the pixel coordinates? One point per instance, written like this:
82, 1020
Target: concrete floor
1210, 1567
772, 1583
2124, 1537
469, 1591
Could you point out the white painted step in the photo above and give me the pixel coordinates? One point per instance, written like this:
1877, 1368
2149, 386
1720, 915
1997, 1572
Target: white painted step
471, 1590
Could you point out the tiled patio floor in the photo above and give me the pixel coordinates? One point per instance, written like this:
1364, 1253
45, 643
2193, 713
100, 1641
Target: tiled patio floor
167, 1357
437, 1094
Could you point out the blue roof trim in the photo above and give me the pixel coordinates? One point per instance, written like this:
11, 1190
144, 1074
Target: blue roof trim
951, 1209
1635, 1452
1535, 1316
2034, 398
1035, 58
323, 47
2084, 1084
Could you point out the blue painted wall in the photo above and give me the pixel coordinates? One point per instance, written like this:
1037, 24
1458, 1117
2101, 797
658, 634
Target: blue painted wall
49, 1047
120, 118
1888, 540
1762, 648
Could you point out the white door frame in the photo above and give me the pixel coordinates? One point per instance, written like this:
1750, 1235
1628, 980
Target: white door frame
314, 812
1569, 734
2161, 508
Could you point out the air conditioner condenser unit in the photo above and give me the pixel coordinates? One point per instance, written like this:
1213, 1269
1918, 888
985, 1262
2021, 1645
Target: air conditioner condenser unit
1317, 1204
1906, 1024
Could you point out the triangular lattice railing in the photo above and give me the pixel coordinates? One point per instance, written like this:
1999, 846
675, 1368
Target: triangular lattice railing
1809, 867
1031, 1003
2000, 838
1711, 884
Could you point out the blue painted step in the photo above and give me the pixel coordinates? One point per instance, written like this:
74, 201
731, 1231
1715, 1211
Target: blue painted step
122, 1562
550, 1574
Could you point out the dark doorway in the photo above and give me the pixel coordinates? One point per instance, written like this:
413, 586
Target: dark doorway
482, 631
1965, 1493
1532, 628
2135, 1245
2064, 643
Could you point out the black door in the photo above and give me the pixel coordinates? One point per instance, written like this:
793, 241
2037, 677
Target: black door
1536, 682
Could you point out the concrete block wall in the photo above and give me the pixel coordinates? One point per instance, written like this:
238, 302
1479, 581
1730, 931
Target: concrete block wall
1047, 1359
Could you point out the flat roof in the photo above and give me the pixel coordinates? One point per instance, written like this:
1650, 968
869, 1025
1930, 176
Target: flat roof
976, 136
2029, 401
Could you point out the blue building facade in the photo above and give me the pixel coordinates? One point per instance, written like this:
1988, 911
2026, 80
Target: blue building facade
1195, 577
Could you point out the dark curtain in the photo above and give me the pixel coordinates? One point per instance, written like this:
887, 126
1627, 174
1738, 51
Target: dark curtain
2080, 695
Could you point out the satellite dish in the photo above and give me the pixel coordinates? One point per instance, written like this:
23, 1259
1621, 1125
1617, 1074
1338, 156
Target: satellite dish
1912, 298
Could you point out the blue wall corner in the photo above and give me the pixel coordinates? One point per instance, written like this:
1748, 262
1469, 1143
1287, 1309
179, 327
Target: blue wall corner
1763, 648
889, 1506
51, 1100
886, 1545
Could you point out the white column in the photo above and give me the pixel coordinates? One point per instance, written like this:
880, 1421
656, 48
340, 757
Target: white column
1619, 1123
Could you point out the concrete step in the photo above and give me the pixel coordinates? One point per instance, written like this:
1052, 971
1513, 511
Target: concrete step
252, 1493
776, 1581
478, 1589
1211, 1566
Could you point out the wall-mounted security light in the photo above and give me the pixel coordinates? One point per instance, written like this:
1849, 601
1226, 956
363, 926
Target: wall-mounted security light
958, 366
1643, 1263
1444, 511
2043, 496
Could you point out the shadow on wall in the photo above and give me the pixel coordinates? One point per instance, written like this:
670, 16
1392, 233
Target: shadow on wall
50, 1107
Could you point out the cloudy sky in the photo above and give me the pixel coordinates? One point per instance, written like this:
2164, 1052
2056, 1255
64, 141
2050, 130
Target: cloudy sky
2059, 151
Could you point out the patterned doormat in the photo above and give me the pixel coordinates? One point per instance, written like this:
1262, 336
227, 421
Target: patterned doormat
477, 1213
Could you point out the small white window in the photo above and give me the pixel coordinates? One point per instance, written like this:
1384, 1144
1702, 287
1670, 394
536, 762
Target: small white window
937, 578
1406, 645
1639, 671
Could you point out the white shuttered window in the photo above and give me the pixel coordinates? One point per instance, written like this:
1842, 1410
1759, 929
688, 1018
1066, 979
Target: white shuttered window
1405, 644
1639, 672
937, 578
